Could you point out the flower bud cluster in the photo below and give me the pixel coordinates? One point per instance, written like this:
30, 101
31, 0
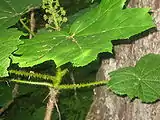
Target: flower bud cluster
55, 14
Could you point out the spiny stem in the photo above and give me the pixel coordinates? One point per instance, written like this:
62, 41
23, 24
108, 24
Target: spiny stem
73, 86
59, 75
64, 86
34, 75
56, 80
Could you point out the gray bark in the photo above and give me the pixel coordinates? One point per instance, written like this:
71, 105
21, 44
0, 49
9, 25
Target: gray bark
107, 105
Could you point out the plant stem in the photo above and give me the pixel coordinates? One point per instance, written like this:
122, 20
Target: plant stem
72, 86
32, 23
51, 103
4, 108
33, 83
73, 80
34, 75
15, 91
63, 86
26, 27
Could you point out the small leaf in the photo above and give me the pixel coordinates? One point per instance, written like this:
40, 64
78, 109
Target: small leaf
11, 10
142, 81
9, 40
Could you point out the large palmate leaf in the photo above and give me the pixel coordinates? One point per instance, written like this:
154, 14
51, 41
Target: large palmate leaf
9, 39
60, 48
142, 81
11, 10
89, 35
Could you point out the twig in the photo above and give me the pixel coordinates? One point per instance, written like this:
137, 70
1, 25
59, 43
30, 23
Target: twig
15, 91
73, 80
14, 95
59, 114
26, 27
4, 108
32, 23
51, 103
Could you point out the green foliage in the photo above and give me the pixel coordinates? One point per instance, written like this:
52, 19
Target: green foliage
9, 40
142, 81
89, 35
12, 10
79, 43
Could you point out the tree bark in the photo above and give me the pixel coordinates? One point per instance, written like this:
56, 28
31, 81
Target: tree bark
107, 105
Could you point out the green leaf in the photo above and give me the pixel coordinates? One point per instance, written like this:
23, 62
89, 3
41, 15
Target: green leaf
110, 22
89, 35
59, 47
142, 81
12, 10
9, 40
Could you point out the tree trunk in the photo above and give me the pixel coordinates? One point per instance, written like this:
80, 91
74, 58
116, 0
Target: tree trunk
107, 105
